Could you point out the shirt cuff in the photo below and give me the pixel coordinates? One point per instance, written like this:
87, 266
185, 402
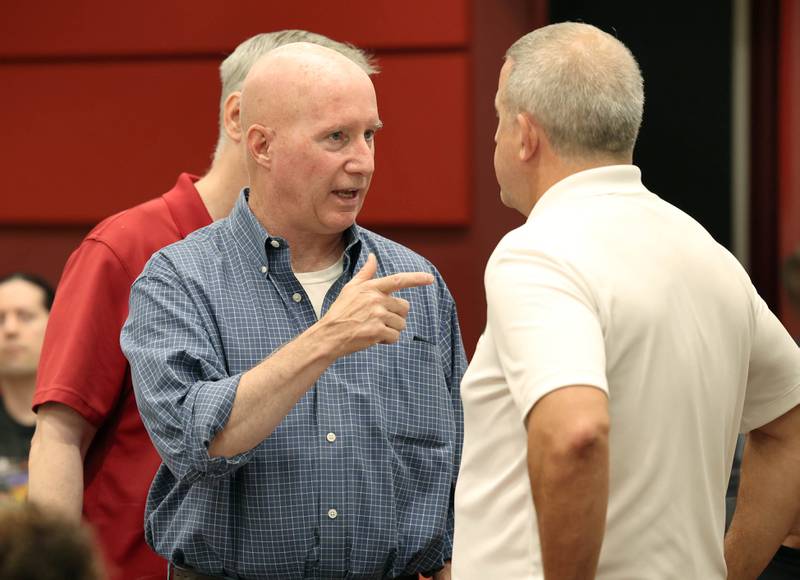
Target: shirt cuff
213, 403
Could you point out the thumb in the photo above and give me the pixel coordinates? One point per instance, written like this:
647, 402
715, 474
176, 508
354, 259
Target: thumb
368, 270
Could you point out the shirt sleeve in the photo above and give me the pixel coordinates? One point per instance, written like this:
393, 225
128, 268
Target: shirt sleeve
545, 322
82, 365
454, 361
773, 378
182, 387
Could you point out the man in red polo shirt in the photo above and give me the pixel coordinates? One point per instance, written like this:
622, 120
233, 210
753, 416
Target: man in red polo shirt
90, 452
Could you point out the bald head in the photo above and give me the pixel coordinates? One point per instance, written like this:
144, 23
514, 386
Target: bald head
289, 81
235, 67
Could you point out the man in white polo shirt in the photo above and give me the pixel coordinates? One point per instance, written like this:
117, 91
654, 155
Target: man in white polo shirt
623, 352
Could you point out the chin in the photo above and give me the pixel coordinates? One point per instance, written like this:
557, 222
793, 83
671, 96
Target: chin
19, 371
339, 224
506, 199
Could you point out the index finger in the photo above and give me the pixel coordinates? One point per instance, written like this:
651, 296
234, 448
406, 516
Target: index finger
395, 282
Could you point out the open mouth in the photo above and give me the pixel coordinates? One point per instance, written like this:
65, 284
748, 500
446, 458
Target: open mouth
346, 193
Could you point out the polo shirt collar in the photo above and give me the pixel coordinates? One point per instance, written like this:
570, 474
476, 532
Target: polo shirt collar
272, 251
185, 205
608, 180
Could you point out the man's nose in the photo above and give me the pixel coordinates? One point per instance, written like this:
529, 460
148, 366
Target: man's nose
363, 158
10, 325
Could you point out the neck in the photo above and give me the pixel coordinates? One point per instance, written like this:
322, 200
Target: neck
553, 168
220, 187
18, 397
311, 253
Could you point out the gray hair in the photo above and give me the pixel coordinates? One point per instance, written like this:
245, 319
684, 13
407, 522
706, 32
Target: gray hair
582, 85
234, 69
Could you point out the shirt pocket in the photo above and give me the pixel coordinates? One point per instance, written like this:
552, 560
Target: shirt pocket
412, 392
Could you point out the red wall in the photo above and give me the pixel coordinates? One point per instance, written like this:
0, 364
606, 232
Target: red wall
104, 103
789, 145
135, 87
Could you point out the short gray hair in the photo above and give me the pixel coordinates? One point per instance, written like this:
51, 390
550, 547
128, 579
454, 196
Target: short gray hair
234, 69
582, 85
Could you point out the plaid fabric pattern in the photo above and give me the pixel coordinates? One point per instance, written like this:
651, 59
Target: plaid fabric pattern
357, 480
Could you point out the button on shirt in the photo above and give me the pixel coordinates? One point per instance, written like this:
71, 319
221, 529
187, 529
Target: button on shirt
357, 480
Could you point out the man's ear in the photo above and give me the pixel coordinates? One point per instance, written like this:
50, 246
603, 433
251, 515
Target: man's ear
529, 136
231, 116
259, 141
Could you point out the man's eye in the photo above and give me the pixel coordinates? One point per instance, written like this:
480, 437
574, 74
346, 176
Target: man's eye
25, 316
369, 135
336, 136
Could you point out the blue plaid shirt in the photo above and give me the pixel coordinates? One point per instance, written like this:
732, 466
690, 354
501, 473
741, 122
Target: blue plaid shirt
357, 480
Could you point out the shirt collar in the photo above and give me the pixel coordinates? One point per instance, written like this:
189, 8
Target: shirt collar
272, 251
352, 247
611, 179
185, 206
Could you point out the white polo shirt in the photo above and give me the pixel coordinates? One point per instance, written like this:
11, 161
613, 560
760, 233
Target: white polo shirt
608, 285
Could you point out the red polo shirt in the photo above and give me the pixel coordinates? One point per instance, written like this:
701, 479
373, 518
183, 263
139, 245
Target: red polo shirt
83, 367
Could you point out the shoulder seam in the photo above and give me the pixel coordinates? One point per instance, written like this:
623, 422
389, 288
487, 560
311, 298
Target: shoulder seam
107, 246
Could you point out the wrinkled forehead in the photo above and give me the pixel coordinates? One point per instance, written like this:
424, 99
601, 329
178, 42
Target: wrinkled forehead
301, 87
331, 103
357, 95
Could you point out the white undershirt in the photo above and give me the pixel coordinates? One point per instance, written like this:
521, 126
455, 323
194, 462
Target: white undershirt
316, 284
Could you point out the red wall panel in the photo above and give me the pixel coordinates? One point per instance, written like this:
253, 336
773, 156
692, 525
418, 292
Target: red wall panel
422, 157
85, 140
42, 28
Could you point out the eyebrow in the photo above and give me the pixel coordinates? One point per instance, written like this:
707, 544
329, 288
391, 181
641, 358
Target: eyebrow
378, 125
